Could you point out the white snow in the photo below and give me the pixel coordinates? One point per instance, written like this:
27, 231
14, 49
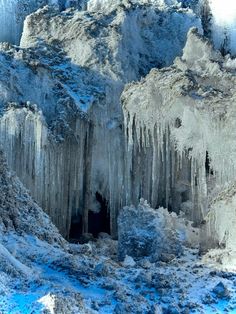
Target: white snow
224, 12
107, 5
48, 302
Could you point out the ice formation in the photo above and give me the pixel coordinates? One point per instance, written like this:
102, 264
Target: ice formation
66, 120
80, 114
168, 131
13, 13
40, 272
84, 153
154, 234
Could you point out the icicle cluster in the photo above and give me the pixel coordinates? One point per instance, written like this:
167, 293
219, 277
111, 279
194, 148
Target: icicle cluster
64, 176
40, 162
180, 131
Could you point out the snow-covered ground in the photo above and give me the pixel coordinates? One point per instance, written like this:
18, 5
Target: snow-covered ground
96, 283
41, 273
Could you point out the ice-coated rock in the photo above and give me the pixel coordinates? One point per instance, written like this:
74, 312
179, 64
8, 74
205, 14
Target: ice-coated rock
145, 232
18, 211
59, 124
59, 303
219, 227
221, 291
123, 54
129, 261
13, 13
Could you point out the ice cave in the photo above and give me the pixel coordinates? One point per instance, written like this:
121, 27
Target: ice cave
117, 156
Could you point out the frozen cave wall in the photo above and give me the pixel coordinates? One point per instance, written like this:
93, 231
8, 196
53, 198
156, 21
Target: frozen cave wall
184, 115
63, 87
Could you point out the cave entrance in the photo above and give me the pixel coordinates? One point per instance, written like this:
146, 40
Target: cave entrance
76, 228
99, 222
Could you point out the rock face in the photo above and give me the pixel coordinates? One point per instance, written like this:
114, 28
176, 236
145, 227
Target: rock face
36, 137
221, 291
156, 234
75, 152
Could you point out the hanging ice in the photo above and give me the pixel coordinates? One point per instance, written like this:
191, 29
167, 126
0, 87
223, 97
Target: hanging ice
181, 133
93, 149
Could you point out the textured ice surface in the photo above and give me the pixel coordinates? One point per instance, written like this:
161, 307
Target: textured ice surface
154, 233
13, 13
39, 271
180, 125
80, 63
62, 130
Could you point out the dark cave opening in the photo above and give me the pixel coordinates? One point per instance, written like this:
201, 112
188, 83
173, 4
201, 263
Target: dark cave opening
100, 221
97, 222
76, 228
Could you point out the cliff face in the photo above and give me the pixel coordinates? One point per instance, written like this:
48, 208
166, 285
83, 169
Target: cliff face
73, 65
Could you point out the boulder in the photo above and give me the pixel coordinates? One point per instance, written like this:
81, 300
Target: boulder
145, 232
